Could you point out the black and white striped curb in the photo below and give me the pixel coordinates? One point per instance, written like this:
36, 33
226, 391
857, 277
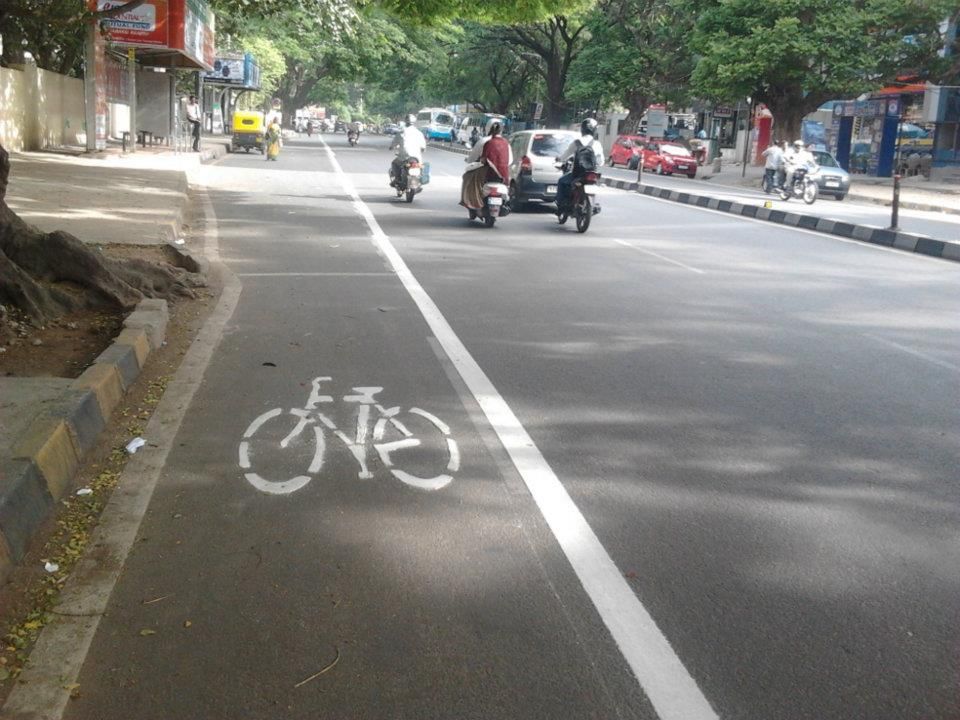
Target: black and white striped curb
450, 147
877, 236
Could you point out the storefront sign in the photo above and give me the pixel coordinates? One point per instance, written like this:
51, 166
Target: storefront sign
723, 111
145, 25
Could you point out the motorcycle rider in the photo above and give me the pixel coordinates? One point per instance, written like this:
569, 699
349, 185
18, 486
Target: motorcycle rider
588, 132
409, 143
800, 157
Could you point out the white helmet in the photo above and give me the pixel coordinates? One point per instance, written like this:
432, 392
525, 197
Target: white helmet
798, 144
411, 120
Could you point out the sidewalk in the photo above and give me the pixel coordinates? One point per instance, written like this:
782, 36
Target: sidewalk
916, 193
110, 197
48, 424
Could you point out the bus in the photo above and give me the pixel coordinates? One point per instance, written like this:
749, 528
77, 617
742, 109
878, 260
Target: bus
436, 123
480, 121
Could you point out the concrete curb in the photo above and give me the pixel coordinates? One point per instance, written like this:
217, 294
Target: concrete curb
906, 204
45, 459
449, 147
877, 236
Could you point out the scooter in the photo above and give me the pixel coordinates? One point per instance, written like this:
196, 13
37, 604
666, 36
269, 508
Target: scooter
413, 176
496, 203
583, 203
352, 137
804, 186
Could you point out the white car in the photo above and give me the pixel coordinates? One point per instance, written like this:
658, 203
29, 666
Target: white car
534, 173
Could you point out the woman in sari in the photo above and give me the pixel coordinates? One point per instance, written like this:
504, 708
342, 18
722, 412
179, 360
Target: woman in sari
273, 139
494, 155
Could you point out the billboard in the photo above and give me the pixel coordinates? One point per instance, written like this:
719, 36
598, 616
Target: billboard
227, 71
185, 26
144, 26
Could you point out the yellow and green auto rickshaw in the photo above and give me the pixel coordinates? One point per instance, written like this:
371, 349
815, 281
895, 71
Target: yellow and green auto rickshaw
248, 131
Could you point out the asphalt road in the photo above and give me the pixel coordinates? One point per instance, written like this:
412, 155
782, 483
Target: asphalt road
942, 226
759, 424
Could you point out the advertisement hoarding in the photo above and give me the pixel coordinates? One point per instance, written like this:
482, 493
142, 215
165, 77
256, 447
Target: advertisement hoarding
144, 26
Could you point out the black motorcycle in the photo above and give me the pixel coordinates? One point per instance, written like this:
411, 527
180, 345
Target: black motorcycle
803, 186
583, 204
352, 137
412, 179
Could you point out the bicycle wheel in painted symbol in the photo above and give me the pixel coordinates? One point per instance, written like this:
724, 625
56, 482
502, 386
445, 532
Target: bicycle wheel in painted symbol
413, 444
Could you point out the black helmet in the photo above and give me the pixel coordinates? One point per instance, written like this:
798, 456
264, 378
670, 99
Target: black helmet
411, 120
588, 127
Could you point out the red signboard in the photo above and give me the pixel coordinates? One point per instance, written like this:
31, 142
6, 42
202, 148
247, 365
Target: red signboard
182, 25
144, 26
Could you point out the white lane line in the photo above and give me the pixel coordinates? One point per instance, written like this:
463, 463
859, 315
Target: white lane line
666, 682
815, 233
658, 255
915, 353
316, 274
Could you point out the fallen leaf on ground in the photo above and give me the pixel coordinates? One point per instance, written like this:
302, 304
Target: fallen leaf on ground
147, 631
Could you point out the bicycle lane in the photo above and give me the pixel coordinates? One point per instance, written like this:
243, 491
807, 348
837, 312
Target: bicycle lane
413, 603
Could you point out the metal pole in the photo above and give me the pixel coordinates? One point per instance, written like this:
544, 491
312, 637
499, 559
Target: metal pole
640, 170
746, 140
90, 85
132, 92
895, 206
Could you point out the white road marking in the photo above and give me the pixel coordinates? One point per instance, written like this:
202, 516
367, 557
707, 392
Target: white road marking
666, 682
915, 353
658, 255
315, 274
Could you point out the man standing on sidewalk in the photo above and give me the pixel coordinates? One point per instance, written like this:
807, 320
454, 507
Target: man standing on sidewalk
193, 117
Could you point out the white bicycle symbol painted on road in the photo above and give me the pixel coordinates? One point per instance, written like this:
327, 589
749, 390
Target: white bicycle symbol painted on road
386, 421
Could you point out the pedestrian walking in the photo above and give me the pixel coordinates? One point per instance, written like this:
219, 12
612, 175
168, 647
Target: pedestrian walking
193, 117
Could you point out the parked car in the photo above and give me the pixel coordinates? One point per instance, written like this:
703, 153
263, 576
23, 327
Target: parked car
832, 179
534, 173
666, 158
392, 129
626, 151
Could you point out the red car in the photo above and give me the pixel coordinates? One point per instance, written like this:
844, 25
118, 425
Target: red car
626, 151
666, 158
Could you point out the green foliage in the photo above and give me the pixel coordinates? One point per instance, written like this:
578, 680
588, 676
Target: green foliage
796, 54
639, 52
50, 30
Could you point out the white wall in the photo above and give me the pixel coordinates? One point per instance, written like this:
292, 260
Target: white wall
39, 109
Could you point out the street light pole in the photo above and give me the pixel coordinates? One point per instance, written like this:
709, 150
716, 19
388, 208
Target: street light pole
746, 140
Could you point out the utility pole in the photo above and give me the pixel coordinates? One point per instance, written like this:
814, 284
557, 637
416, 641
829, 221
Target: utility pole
132, 92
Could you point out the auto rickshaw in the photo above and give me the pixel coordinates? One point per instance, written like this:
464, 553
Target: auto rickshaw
248, 131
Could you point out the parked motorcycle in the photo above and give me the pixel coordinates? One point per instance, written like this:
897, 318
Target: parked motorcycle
352, 137
583, 203
413, 176
804, 186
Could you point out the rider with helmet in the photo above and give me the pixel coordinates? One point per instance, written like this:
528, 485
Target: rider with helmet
797, 157
410, 143
588, 139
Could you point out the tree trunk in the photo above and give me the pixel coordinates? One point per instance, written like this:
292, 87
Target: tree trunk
637, 104
47, 274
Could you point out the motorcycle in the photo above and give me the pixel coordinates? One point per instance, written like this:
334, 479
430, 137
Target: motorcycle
583, 203
496, 203
413, 176
804, 186
352, 138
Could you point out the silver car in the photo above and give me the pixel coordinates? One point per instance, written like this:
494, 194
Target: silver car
831, 179
533, 171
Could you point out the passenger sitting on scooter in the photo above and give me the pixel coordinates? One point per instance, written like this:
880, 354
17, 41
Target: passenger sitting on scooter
495, 156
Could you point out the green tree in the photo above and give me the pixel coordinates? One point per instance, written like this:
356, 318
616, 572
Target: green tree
793, 55
638, 53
